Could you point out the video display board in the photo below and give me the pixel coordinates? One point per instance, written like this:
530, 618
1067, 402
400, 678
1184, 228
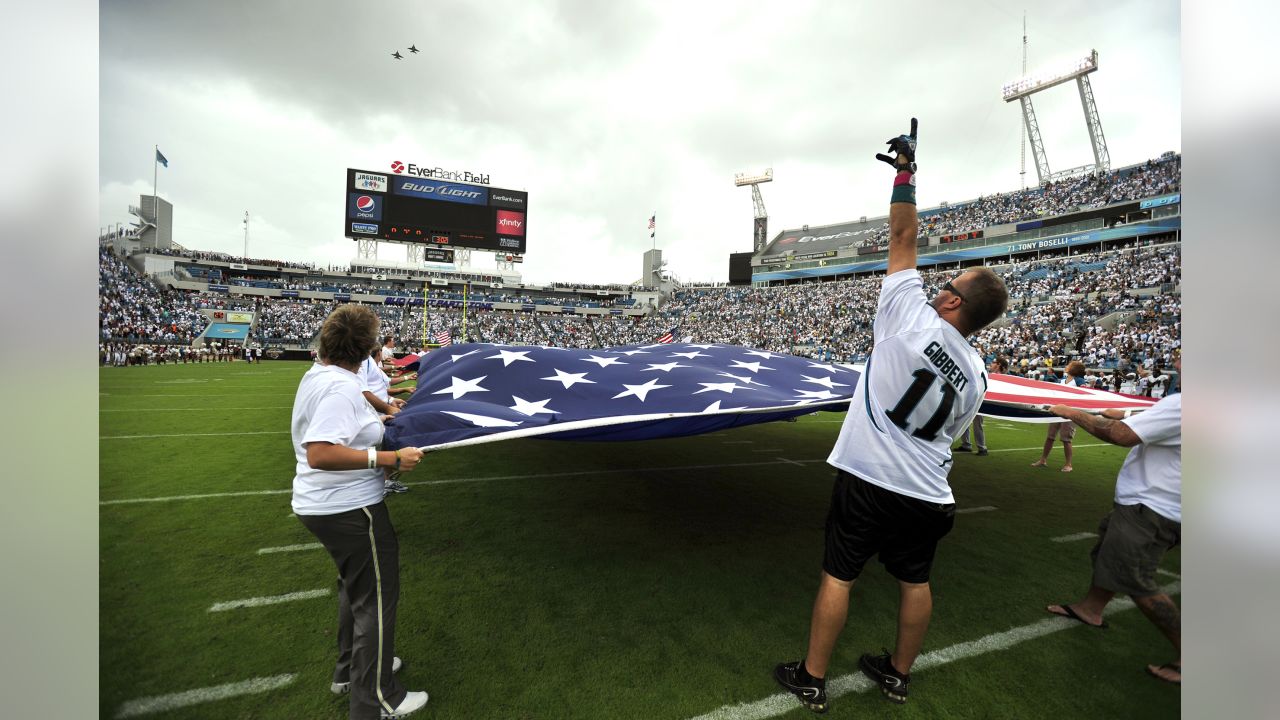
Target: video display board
400, 208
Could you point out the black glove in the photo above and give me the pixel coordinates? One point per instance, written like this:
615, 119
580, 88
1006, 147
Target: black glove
905, 147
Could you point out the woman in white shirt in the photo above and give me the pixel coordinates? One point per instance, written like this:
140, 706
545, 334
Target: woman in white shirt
337, 495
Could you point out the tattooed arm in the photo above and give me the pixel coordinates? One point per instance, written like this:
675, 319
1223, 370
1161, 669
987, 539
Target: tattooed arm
1104, 428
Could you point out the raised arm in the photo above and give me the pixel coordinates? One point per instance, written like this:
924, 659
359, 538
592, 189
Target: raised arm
904, 224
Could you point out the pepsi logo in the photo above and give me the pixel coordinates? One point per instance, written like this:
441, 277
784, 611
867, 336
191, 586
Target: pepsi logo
364, 203
397, 166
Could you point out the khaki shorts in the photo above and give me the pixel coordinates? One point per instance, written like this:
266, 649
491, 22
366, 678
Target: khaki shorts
1063, 430
1131, 542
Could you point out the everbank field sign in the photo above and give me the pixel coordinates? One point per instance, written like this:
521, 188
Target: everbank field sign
438, 173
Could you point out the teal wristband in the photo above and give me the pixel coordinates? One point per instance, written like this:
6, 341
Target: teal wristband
904, 188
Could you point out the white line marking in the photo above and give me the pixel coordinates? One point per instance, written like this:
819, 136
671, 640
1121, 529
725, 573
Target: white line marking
781, 703
768, 450
201, 409
203, 395
1170, 573
289, 548
736, 442
449, 481
1041, 447
984, 508
1075, 536
789, 462
161, 703
134, 437
269, 600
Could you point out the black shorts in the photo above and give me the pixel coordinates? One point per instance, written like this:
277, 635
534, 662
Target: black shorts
866, 520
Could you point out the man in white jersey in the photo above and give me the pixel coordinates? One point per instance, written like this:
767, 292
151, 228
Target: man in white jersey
922, 385
1144, 524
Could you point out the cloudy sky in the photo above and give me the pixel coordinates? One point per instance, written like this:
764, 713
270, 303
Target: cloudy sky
606, 112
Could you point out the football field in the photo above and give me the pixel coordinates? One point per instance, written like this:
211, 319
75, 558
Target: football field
544, 579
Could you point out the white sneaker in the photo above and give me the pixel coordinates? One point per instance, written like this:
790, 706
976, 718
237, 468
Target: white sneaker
412, 702
343, 688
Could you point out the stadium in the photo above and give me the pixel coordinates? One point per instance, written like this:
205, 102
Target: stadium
638, 578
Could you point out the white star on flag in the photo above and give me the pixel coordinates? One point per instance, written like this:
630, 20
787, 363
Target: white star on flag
816, 394
629, 353
482, 420
462, 387
603, 361
753, 367
456, 358
828, 368
825, 382
524, 407
509, 356
715, 407
664, 367
690, 355
765, 355
744, 379
719, 387
640, 391
569, 378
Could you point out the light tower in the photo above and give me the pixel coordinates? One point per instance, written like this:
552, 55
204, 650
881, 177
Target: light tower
761, 228
1028, 85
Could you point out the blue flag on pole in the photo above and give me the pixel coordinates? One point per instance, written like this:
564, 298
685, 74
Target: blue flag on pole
160, 158
475, 393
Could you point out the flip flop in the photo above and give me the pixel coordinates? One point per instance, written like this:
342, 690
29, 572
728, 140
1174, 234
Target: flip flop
1167, 666
1071, 615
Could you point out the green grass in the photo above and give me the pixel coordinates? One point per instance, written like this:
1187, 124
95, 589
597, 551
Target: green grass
594, 589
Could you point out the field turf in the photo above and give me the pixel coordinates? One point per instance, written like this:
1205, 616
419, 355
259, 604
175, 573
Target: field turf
545, 579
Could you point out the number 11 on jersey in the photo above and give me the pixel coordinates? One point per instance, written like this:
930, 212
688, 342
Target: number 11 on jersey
911, 398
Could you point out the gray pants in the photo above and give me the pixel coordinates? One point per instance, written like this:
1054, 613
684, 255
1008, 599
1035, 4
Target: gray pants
979, 435
363, 545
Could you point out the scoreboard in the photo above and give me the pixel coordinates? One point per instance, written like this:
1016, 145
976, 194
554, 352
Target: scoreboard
402, 208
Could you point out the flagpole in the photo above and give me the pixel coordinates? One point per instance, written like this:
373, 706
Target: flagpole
155, 185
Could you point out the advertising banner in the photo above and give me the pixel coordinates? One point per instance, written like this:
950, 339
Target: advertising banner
439, 190
289, 293
240, 317
362, 206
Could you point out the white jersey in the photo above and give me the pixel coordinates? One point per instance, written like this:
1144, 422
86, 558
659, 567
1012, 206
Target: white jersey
1152, 471
921, 388
329, 408
375, 380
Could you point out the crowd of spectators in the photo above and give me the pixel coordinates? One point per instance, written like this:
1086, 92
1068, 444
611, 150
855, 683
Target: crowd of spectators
1112, 309
131, 308
1155, 177
224, 257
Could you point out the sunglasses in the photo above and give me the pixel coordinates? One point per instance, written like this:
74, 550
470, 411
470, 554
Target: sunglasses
952, 289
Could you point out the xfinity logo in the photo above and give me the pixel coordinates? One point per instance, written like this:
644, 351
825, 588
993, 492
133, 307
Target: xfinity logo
438, 173
811, 238
510, 222
507, 222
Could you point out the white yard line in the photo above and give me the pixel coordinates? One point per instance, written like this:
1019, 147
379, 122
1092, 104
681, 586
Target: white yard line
1041, 447
289, 548
196, 409
780, 703
984, 508
163, 703
736, 442
1074, 537
790, 462
269, 600
450, 481
768, 450
170, 435
1169, 573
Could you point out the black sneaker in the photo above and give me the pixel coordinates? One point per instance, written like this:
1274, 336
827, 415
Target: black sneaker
880, 669
963, 448
982, 451
813, 697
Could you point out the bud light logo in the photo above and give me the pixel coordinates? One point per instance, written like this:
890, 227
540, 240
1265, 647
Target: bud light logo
510, 223
364, 228
364, 207
436, 190
397, 166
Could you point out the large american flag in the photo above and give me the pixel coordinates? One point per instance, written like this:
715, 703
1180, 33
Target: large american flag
479, 392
